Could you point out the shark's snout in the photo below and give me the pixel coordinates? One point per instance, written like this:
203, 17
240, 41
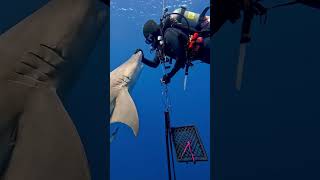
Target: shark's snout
133, 66
137, 57
139, 53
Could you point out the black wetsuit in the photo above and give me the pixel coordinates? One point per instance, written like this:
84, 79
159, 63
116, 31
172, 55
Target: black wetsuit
176, 41
224, 10
230, 10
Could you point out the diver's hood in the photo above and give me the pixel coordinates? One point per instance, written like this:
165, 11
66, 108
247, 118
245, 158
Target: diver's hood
150, 27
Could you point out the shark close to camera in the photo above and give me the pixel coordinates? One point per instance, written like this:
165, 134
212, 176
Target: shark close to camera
122, 80
40, 56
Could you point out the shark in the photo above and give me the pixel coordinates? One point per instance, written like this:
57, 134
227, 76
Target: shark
122, 81
39, 56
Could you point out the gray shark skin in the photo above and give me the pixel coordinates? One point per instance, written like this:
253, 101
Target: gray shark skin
122, 80
40, 55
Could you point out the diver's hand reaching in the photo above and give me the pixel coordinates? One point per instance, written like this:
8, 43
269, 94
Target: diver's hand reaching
137, 50
166, 79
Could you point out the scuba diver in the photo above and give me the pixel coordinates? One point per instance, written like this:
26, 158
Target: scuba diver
182, 35
185, 35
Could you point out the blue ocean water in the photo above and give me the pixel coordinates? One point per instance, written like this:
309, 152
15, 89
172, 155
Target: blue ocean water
144, 157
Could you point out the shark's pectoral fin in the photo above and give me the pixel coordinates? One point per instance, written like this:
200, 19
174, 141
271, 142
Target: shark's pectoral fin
46, 142
125, 111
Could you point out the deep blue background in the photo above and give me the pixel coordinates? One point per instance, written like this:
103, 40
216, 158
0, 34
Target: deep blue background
143, 157
87, 103
271, 128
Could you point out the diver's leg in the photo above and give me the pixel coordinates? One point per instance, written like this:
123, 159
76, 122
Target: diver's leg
47, 146
224, 10
204, 52
217, 24
219, 16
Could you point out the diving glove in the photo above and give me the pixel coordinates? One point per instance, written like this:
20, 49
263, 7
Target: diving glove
137, 50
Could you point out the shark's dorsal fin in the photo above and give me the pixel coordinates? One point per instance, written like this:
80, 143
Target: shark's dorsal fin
125, 111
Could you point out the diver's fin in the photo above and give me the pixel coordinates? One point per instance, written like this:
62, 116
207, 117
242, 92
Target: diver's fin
125, 111
203, 13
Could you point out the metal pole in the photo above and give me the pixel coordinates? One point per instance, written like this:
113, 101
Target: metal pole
171, 151
167, 127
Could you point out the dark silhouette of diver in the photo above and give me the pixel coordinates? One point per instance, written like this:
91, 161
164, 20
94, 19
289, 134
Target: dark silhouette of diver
230, 10
179, 41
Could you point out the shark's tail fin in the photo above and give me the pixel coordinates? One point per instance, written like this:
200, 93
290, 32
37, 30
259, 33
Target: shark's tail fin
125, 111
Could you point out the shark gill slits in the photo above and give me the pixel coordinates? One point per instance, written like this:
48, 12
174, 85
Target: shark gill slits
40, 58
29, 64
126, 79
38, 63
59, 53
50, 55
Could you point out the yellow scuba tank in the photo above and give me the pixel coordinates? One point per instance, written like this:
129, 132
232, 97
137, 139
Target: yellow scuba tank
195, 20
